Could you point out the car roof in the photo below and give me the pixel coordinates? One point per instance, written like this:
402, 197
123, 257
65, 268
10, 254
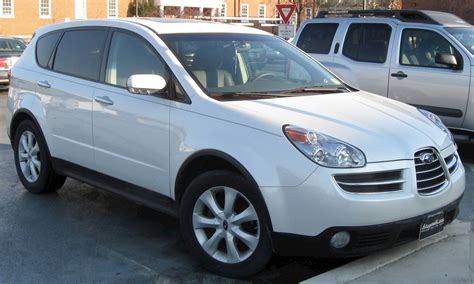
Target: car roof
399, 17
168, 26
161, 25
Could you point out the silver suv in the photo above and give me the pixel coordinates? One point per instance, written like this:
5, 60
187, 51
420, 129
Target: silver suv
423, 58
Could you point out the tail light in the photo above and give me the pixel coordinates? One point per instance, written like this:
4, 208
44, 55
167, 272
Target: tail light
4, 63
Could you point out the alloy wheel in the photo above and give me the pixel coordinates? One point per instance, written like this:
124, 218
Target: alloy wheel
226, 224
29, 156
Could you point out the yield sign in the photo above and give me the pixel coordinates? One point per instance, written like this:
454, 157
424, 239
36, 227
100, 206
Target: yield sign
286, 11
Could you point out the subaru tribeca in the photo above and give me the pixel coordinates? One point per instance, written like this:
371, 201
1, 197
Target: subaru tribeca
253, 144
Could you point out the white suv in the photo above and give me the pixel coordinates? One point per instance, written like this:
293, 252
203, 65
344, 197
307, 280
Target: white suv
253, 144
422, 58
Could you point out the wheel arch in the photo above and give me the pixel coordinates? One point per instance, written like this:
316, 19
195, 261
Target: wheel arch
207, 160
21, 115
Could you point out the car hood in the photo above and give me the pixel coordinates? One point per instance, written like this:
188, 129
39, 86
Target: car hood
382, 128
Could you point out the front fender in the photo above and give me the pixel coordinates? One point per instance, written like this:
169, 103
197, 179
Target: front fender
270, 159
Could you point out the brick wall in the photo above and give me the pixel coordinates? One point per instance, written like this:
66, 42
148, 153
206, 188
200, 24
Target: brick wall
461, 8
26, 15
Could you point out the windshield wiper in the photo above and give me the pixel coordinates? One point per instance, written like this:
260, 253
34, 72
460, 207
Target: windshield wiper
319, 89
250, 94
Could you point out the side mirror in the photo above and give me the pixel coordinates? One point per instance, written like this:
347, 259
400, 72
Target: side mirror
146, 84
447, 59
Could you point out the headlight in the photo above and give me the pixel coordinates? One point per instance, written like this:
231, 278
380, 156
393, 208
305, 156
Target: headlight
437, 121
323, 149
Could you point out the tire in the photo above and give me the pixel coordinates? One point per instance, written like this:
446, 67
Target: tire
230, 232
32, 161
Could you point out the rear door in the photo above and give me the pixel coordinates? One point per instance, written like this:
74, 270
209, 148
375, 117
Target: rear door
317, 39
364, 59
418, 80
66, 85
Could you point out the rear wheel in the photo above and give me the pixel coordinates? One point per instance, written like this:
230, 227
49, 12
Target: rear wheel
32, 161
223, 221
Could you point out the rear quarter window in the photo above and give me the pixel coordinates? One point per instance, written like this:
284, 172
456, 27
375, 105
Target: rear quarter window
317, 38
80, 52
45, 47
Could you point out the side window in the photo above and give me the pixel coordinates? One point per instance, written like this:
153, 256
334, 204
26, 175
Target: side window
419, 48
80, 52
130, 55
317, 38
367, 42
45, 47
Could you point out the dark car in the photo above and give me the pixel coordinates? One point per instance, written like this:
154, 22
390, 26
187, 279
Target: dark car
10, 50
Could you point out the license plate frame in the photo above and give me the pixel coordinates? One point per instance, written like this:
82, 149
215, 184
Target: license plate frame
431, 225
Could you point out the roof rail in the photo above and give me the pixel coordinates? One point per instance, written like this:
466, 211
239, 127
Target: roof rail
417, 16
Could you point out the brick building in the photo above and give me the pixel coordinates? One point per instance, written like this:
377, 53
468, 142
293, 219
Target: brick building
22, 17
461, 8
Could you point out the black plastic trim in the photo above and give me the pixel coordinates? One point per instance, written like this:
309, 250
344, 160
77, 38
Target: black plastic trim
130, 191
443, 111
397, 233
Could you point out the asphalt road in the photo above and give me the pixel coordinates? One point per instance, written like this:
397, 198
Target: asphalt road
80, 234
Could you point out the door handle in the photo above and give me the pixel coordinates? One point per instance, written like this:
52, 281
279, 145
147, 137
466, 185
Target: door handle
104, 100
43, 84
399, 74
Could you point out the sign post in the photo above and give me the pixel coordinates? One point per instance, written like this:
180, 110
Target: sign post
286, 11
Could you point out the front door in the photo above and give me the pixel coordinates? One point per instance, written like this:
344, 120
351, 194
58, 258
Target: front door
416, 78
131, 132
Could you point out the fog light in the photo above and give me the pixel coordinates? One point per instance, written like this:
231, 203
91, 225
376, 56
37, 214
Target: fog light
340, 240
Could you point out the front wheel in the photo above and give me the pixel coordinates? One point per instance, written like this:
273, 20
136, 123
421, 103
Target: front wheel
224, 223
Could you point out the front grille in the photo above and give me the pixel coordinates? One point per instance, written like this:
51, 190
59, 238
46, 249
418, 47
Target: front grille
386, 181
373, 239
430, 175
451, 163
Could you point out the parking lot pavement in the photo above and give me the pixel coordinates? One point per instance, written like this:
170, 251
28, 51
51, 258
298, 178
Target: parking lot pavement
80, 234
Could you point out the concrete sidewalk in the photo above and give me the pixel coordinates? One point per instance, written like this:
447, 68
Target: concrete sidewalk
445, 258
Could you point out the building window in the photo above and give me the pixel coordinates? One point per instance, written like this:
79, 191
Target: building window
45, 8
112, 8
262, 11
223, 12
309, 13
80, 9
244, 10
6, 8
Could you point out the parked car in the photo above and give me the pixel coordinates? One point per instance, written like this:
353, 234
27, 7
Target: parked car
10, 50
252, 158
422, 58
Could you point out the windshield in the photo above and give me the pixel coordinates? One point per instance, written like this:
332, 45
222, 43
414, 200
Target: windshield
465, 36
247, 66
11, 45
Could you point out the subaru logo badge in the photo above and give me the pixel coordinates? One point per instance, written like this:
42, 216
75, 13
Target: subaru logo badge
427, 158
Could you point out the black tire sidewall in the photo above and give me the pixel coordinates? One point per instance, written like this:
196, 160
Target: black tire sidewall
40, 185
262, 253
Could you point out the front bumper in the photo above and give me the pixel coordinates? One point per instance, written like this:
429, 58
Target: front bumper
364, 239
319, 203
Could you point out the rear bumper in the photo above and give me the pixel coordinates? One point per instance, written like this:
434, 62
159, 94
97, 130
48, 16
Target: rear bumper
364, 239
4, 78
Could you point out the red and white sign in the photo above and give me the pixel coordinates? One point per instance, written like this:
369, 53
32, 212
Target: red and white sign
286, 11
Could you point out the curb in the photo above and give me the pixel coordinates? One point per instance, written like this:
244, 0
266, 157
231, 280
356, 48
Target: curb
366, 265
